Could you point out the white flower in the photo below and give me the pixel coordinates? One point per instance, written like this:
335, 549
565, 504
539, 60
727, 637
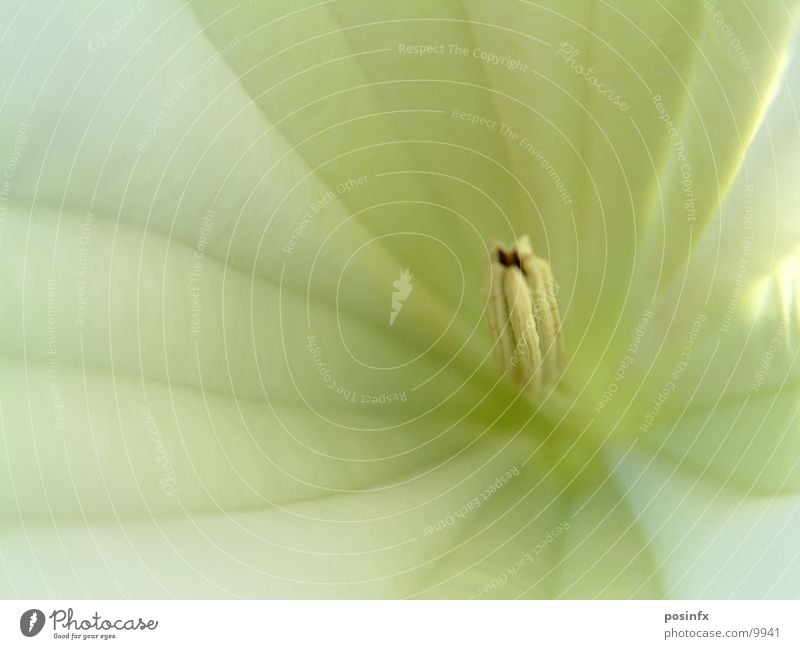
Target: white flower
203, 210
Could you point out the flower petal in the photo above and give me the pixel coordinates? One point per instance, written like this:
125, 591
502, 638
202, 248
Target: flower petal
710, 543
718, 364
380, 543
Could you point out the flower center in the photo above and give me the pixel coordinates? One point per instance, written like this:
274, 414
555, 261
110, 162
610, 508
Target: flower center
523, 316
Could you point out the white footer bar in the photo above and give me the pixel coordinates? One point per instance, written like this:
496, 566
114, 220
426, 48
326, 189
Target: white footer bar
389, 624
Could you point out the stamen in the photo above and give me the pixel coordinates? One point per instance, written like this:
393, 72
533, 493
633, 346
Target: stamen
523, 316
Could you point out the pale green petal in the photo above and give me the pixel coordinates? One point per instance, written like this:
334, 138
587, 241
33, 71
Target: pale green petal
714, 382
158, 132
237, 425
715, 105
371, 544
552, 541
607, 555
708, 542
